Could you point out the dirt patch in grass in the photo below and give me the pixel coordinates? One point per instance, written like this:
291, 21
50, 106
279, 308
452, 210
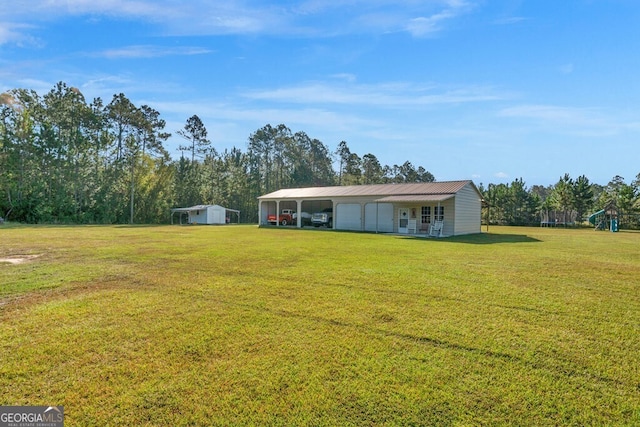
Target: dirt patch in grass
18, 259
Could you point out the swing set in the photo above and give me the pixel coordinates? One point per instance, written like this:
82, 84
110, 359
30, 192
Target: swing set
605, 219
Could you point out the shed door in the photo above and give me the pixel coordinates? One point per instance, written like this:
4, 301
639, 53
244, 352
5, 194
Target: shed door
378, 217
218, 216
348, 217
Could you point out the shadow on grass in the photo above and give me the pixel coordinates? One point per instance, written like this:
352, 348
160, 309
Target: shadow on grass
480, 239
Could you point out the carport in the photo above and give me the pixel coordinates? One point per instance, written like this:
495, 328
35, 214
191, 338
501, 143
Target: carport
386, 208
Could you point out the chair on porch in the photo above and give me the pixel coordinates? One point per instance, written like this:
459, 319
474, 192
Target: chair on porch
436, 229
412, 227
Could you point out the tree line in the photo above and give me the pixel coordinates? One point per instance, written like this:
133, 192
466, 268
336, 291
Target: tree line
66, 160
570, 199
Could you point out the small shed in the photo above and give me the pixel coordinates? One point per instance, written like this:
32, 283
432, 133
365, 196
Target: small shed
206, 214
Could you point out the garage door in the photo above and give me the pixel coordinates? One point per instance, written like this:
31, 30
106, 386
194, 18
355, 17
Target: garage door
348, 217
378, 217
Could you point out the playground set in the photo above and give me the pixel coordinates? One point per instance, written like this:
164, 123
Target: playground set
605, 219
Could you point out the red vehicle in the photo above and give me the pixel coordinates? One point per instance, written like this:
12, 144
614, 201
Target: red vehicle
287, 216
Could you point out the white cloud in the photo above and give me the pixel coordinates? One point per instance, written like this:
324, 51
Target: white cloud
7, 34
546, 112
46, 9
310, 18
380, 95
422, 26
40, 86
16, 33
509, 20
176, 17
350, 78
553, 114
589, 122
148, 51
259, 116
566, 68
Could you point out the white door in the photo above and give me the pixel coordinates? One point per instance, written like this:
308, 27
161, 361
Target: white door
348, 217
403, 220
378, 217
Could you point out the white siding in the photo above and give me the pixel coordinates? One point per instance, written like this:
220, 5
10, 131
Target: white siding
217, 215
348, 217
198, 217
208, 215
449, 216
378, 217
468, 211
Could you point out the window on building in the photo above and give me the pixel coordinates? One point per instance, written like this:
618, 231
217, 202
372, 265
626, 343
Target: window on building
426, 214
439, 213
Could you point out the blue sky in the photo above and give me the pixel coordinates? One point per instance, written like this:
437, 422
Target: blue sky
489, 90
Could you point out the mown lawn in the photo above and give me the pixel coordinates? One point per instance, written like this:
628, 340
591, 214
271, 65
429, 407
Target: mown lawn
239, 325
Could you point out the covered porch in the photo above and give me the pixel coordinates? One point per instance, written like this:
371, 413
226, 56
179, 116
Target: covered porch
420, 214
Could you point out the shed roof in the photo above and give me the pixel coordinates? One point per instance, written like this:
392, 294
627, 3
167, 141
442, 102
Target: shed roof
448, 188
201, 208
191, 208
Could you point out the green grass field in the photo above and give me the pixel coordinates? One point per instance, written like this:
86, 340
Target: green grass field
239, 325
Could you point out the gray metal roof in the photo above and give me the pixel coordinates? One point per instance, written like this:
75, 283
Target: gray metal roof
200, 208
416, 198
377, 190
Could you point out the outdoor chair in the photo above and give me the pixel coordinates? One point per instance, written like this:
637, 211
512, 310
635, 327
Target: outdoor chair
436, 229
